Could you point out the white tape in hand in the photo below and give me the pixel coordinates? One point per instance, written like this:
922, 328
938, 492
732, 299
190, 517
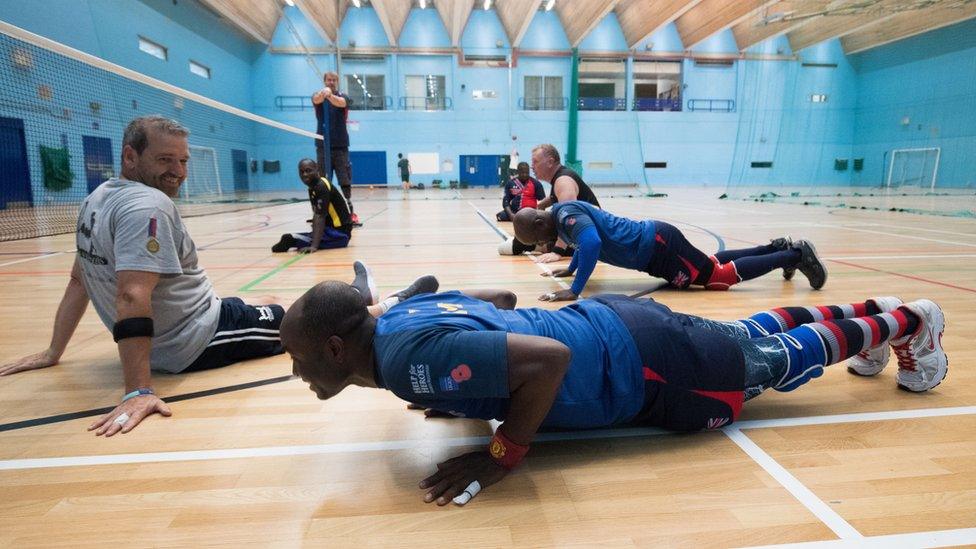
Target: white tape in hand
468, 493
123, 417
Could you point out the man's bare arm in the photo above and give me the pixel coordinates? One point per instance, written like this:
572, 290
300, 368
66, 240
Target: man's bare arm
133, 300
536, 366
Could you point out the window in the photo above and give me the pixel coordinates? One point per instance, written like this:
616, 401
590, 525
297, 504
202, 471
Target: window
199, 70
426, 92
601, 85
543, 93
152, 48
367, 92
657, 85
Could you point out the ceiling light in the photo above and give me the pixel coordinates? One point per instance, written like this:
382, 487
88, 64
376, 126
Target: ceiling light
549, 5
290, 3
487, 4
423, 4
357, 3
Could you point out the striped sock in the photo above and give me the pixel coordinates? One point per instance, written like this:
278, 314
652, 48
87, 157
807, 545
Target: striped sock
845, 338
783, 319
813, 346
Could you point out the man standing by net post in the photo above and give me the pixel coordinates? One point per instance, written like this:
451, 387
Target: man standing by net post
331, 111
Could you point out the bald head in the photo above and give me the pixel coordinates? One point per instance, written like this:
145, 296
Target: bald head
534, 226
322, 332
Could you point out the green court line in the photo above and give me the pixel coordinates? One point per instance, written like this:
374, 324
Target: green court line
247, 287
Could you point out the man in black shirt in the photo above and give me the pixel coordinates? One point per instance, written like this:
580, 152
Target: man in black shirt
567, 185
331, 221
331, 111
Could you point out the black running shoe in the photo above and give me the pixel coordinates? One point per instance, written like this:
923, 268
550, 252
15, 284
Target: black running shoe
286, 243
426, 284
365, 284
784, 243
810, 265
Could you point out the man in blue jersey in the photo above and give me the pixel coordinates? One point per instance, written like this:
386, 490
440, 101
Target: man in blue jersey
657, 248
600, 362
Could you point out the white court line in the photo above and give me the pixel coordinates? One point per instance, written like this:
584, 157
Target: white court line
542, 266
855, 418
803, 494
913, 228
938, 538
931, 256
598, 434
31, 258
900, 235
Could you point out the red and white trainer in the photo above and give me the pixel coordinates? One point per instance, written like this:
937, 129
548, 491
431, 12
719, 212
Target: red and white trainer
922, 362
870, 362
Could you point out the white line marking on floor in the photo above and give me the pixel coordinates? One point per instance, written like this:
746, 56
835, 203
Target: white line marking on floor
231, 453
932, 256
803, 494
854, 418
32, 258
938, 538
911, 237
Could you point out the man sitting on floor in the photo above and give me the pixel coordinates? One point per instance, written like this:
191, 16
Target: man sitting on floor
331, 221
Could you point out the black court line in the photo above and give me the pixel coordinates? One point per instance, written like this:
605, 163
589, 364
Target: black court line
177, 398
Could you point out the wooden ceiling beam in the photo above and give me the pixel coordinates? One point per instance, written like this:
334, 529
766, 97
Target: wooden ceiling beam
767, 23
257, 19
580, 17
828, 27
516, 16
322, 15
454, 14
392, 14
713, 16
640, 19
905, 25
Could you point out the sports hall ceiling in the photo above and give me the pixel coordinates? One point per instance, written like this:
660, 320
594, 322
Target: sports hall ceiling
860, 24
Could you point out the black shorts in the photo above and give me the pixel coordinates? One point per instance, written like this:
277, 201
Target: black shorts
694, 378
676, 260
243, 332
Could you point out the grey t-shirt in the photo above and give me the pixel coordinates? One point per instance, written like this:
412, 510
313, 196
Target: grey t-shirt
127, 226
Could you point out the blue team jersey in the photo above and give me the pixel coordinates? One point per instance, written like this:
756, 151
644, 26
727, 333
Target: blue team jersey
626, 243
448, 352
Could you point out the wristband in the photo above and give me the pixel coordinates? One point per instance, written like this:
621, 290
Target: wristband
561, 251
140, 326
504, 452
138, 392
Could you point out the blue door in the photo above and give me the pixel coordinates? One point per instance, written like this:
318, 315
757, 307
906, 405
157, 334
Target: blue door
479, 169
239, 160
15, 175
98, 160
368, 167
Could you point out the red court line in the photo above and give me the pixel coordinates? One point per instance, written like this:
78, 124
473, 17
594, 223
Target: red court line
910, 277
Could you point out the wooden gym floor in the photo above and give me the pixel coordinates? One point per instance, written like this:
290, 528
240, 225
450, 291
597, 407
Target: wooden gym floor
841, 460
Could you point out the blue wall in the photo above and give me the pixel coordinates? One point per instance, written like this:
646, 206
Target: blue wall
931, 80
773, 120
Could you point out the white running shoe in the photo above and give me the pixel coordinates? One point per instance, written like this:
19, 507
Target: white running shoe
870, 362
922, 362
507, 247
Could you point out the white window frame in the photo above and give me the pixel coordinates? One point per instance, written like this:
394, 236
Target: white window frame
154, 49
200, 70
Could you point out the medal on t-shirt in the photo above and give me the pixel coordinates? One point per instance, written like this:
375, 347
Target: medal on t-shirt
152, 244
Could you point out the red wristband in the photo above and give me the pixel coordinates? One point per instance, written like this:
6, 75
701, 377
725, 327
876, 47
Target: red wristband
504, 452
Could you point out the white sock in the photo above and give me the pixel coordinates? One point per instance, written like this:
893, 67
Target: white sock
387, 303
